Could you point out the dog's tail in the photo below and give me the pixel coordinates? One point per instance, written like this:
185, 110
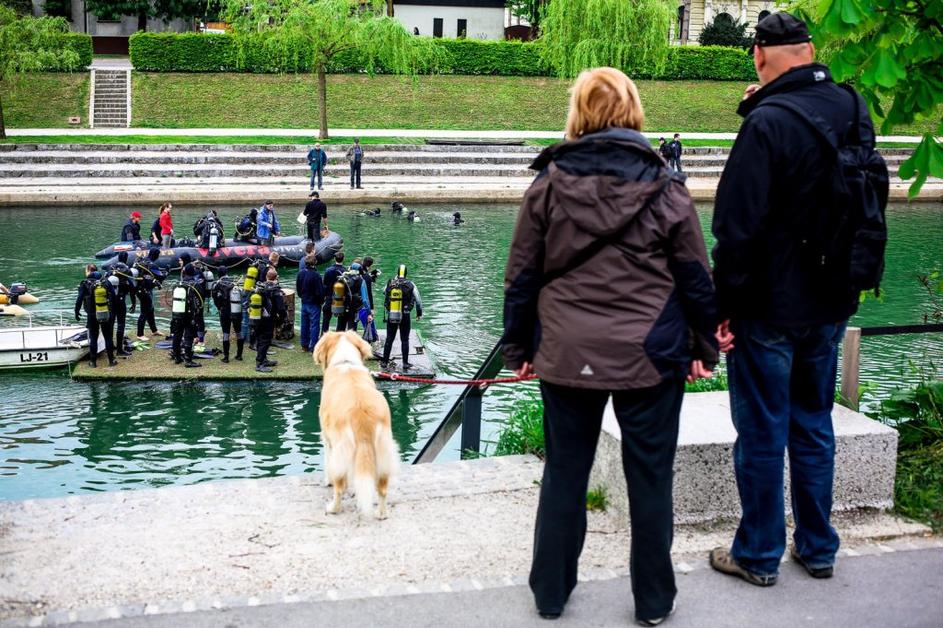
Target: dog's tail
365, 475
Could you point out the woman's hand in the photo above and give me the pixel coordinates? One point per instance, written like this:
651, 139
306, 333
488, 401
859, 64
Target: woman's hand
526, 370
698, 371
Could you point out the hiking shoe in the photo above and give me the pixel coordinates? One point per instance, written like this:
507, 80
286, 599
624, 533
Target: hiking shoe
263, 369
815, 572
657, 620
722, 561
225, 360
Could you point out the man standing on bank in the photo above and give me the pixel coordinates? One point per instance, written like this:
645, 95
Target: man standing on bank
607, 293
317, 160
355, 157
314, 211
786, 285
675, 149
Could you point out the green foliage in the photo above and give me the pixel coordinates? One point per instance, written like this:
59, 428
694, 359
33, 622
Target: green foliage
194, 52
58, 8
29, 44
724, 31
891, 49
163, 9
21, 7
529, 10
626, 34
523, 433
715, 383
933, 285
597, 498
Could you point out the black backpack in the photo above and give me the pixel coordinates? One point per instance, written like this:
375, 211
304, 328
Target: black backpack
851, 237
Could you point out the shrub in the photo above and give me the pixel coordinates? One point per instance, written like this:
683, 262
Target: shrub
725, 31
524, 432
194, 52
81, 44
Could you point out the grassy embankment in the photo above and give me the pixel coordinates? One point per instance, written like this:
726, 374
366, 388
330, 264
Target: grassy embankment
357, 101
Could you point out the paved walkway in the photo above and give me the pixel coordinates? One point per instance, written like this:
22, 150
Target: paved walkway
110, 63
900, 589
419, 133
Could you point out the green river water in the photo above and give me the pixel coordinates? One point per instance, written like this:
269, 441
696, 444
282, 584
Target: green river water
60, 437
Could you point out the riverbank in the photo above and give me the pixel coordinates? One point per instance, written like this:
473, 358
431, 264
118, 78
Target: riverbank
456, 526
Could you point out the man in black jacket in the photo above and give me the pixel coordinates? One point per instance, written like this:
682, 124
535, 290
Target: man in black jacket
131, 231
787, 320
314, 211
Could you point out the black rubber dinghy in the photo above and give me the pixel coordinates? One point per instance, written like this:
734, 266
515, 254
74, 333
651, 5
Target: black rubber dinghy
240, 253
110, 251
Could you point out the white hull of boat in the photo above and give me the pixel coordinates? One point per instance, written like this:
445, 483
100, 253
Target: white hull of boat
40, 347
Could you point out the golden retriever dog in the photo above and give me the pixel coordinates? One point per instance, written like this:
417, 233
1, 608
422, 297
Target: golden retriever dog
359, 449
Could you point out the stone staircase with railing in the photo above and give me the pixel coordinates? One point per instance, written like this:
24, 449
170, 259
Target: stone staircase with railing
110, 98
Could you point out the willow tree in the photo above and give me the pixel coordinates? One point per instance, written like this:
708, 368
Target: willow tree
893, 51
30, 44
628, 34
309, 34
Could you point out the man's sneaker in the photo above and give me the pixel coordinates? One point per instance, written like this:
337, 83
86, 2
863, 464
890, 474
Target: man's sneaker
722, 561
263, 369
815, 572
657, 620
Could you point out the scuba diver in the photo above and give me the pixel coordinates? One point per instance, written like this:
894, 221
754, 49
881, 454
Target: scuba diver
256, 270
348, 296
227, 297
150, 276
266, 310
397, 207
412, 216
97, 296
372, 213
203, 279
400, 297
186, 303
330, 278
124, 281
370, 274
209, 232
247, 227
457, 219
131, 232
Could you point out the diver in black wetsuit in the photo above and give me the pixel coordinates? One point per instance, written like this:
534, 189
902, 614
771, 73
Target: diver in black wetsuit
227, 297
457, 219
246, 228
150, 276
122, 280
400, 297
186, 302
98, 299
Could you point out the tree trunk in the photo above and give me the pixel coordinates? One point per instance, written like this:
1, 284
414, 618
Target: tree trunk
3, 126
389, 8
322, 100
142, 21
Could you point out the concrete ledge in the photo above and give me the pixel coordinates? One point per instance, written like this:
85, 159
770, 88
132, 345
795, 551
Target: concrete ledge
704, 485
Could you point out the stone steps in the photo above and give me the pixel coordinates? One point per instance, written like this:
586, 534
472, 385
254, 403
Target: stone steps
110, 106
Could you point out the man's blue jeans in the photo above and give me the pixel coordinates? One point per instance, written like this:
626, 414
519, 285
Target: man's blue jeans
310, 324
782, 388
319, 174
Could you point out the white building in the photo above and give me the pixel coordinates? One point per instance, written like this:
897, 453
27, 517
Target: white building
475, 19
694, 15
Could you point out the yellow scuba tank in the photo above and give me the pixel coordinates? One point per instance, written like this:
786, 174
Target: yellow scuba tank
252, 275
179, 301
255, 309
339, 298
395, 313
102, 311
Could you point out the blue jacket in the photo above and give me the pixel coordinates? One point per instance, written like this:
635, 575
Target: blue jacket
266, 222
309, 286
331, 274
317, 159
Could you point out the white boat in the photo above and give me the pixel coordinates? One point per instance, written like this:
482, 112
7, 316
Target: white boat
41, 346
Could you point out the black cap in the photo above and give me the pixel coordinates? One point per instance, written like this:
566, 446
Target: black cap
781, 29
314, 195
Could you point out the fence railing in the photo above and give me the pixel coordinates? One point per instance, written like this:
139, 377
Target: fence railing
464, 413
851, 354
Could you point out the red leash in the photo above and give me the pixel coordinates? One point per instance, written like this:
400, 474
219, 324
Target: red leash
396, 377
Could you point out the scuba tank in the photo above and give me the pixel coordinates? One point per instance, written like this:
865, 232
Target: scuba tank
102, 310
235, 300
255, 308
214, 239
339, 298
135, 278
179, 301
395, 312
210, 280
252, 276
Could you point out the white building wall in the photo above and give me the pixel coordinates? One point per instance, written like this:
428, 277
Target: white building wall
483, 23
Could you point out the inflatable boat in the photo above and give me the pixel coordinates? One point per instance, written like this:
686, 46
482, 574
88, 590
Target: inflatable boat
240, 253
110, 251
16, 294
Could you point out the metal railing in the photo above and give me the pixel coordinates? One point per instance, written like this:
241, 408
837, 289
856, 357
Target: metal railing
851, 354
464, 413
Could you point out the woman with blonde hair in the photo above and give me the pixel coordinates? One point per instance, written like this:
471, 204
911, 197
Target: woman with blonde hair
607, 294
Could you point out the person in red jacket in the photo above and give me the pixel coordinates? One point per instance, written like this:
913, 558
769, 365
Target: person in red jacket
166, 225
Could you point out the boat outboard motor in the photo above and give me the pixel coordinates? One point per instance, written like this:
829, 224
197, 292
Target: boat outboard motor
15, 291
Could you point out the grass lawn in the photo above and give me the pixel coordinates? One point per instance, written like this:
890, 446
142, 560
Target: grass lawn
46, 100
437, 102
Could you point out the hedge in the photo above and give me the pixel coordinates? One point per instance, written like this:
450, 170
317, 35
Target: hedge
81, 43
193, 52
